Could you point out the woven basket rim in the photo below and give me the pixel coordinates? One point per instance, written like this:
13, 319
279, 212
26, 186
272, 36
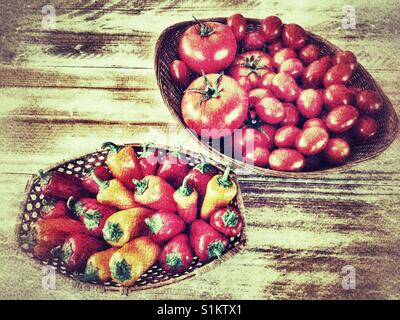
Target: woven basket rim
266, 171
68, 277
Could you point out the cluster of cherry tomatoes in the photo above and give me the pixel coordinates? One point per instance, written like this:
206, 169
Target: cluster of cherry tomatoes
291, 103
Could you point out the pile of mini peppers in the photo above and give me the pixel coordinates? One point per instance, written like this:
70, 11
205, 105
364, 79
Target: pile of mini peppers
134, 211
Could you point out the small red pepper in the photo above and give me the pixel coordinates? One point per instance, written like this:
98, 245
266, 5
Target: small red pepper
77, 249
163, 226
123, 163
207, 242
148, 161
60, 185
48, 233
89, 183
176, 256
92, 213
186, 199
173, 168
54, 209
227, 221
155, 193
200, 175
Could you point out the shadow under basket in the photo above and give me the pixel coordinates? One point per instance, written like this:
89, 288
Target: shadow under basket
166, 51
33, 202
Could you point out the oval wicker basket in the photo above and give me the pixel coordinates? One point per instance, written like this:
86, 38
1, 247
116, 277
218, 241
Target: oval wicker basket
155, 277
167, 50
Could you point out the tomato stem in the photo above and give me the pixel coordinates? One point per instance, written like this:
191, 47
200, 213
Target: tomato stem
210, 90
205, 30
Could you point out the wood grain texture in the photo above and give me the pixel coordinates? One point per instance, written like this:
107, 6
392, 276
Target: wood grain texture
64, 92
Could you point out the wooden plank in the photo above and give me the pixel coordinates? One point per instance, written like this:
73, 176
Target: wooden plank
111, 34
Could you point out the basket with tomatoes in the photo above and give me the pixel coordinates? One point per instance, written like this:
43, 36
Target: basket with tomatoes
275, 97
133, 216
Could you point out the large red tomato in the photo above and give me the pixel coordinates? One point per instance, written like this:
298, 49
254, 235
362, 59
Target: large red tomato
208, 47
251, 64
214, 105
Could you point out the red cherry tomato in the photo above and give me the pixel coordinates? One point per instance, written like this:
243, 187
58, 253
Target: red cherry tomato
365, 128
309, 53
337, 151
256, 95
294, 36
214, 107
369, 102
338, 74
314, 73
337, 95
291, 117
341, 118
271, 28
312, 141
180, 73
265, 80
309, 103
314, 122
238, 25
251, 64
269, 134
275, 46
284, 159
293, 67
253, 41
253, 146
285, 87
286, 136
283, 55
270, 110
346, 57
208, 47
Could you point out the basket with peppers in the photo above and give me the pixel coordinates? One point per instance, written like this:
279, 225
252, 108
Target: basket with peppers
136, 215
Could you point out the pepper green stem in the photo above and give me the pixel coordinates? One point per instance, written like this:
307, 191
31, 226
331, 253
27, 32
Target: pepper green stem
179, 154
184, 189
215, 249
101, 183
145, 149
41, 174
121, 270
174, 260
141, 185
230, 218
224, 180
88, 171
44, 177
203, 166
114, 148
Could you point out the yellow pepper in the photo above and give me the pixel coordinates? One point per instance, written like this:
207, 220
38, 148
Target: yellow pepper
133, 259
98, 265
221, 190
122, 226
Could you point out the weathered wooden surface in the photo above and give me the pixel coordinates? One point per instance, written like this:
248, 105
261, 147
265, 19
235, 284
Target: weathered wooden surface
64, 92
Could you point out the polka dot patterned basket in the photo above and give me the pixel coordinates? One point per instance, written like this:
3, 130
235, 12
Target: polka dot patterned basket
155, 276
